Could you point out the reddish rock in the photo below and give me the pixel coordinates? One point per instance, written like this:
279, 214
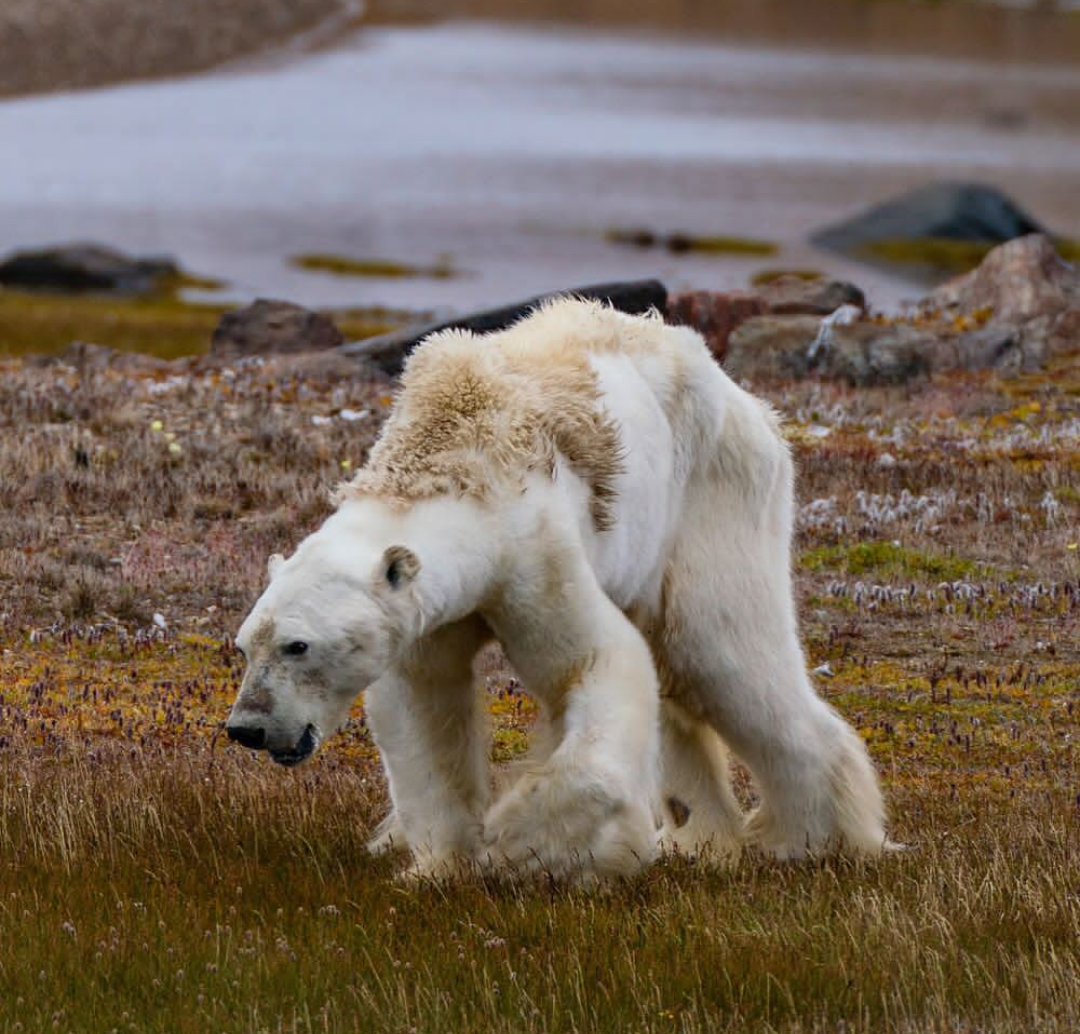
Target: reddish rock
1020, 280
796, 296
714, 314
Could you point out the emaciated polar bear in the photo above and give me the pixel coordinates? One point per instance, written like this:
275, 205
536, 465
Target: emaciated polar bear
591, 489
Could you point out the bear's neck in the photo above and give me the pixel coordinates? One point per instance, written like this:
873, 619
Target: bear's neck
458, 545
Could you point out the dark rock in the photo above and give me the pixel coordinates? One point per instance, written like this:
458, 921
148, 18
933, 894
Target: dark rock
387, 352
952, 211
714, 314
794, 295
84, 267
1018, 281
268, 327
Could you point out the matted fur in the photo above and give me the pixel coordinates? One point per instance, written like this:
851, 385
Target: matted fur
472, 413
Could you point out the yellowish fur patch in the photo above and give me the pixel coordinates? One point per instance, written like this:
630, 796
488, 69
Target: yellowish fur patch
480, 411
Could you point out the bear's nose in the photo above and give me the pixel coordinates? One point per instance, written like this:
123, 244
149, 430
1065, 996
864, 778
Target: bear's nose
246, 736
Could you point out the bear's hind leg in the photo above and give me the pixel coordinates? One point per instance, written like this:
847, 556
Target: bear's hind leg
701, 816
730, 639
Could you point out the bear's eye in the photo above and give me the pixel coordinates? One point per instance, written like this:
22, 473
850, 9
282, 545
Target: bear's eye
296, 648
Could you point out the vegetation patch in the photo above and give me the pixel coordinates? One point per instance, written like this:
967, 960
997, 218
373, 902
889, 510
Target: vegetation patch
163, 324
769, 276
889, 559
683, 243
945, 255
341, 265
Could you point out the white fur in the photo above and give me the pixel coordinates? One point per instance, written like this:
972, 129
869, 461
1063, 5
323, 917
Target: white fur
687, 595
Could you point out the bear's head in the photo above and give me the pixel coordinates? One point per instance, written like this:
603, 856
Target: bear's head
328, 625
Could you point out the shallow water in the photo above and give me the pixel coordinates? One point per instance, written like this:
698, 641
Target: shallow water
512, 150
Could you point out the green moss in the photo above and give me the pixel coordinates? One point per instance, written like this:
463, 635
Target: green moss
884, 558
1068, 249
174, 282
162, 325
939, 253
945, 255
682, 243
769, 276
341, 265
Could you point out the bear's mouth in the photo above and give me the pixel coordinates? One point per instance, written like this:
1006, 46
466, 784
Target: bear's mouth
307, 746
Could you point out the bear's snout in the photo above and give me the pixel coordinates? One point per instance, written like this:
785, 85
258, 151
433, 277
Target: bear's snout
247, 736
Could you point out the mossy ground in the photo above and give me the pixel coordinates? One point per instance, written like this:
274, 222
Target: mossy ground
163, 324
155, 878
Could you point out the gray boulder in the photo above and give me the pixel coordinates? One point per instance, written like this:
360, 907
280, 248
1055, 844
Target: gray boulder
863, 353
950, 211
84, 267
268, 327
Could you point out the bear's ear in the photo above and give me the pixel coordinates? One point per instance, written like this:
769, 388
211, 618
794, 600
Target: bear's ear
273, 564
399, 567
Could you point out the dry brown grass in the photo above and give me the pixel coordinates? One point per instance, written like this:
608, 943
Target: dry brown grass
153, 878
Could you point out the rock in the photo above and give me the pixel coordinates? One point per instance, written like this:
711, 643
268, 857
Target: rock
771, 346
714, 314
982, 349
864, 353
387, 352
268, 327
85, 356
869, 354
84, 267
1018, 281
950, 211
794, 295
1048, 336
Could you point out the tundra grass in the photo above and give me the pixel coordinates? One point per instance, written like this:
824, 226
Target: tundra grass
154, 877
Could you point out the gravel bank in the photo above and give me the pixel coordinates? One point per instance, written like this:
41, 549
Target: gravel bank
62, 44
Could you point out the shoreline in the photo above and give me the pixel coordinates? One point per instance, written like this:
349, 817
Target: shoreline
44, 47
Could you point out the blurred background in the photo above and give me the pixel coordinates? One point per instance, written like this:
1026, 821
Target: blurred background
443, 154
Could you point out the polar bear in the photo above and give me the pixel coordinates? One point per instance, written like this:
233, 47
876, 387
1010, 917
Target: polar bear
593, 491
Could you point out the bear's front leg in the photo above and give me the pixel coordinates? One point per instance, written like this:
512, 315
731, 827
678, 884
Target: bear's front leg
585, 812
424, 718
